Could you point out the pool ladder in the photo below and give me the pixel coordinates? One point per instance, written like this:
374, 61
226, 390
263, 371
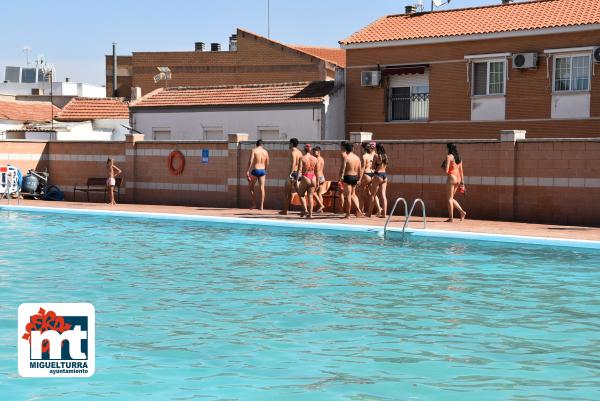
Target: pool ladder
407, 214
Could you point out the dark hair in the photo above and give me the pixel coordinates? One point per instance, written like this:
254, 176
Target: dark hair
259, 142
109, 160
453, 150
317, 148
381, 153
294, 142
347, 146
365, 145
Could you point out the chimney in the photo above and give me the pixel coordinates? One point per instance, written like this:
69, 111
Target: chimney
215, 47
67, 79
410, 9
199, 46
136, 93
233, 43
507, 1
114, 71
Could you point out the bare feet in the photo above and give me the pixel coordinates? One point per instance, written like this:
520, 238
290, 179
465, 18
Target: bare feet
346, 216
320, 210
463, 214
359, 214
449, 221
283, 213
303, 213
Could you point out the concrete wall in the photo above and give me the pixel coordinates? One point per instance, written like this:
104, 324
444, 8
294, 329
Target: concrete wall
533, 180
300, 122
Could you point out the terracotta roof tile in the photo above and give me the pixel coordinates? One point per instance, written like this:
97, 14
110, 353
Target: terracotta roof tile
27, 111
84, 109
480, 20
330, 54
231, 95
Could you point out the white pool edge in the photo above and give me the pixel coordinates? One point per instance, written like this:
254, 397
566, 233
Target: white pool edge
467, 235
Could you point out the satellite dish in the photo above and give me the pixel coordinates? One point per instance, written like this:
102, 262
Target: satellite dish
163, 75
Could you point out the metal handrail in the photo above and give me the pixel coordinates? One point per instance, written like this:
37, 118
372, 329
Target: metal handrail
392, 213
412, 209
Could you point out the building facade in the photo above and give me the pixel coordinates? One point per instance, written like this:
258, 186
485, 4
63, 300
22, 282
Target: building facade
468, 73
311, 111
250, 59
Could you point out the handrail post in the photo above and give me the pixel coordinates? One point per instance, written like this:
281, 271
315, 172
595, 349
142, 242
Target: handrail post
392, 213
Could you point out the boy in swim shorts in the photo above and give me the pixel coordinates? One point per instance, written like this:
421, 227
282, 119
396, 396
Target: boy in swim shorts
111, 172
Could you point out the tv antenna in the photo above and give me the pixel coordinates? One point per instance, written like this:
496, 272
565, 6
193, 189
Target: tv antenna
27, 50
163, 75
269, 19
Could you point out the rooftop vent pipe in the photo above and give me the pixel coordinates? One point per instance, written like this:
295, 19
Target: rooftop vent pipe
215, 47
199, 46
233, 43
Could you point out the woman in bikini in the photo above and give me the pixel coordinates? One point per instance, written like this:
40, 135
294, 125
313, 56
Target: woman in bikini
454, 182
379, 183
308, 181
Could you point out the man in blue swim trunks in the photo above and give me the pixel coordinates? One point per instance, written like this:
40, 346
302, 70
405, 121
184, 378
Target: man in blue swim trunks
257, 172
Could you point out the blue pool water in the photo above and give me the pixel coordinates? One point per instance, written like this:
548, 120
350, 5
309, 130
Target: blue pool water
191, 310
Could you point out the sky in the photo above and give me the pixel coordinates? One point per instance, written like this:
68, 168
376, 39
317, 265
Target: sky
76, 35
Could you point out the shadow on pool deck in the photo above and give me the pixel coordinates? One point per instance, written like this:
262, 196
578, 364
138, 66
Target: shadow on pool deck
437, 223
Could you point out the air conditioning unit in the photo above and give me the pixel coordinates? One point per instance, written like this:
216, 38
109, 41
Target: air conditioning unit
597, 55
525, 60
370, 78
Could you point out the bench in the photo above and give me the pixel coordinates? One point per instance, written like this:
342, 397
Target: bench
97, 184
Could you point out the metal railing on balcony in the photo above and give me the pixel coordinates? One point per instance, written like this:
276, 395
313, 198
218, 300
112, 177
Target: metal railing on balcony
414, 107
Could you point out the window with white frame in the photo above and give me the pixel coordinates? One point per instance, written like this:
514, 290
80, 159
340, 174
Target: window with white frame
269, 133
213, 133
572, 73
489, 77
161, 134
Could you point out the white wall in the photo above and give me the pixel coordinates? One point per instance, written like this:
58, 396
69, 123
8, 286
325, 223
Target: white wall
116, 126
302, 123
6, 125
570, 105
488, 108
58, 89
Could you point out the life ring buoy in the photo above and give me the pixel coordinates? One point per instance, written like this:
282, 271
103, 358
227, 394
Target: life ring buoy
176, 154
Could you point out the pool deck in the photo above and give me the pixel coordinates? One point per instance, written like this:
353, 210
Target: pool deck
435, 223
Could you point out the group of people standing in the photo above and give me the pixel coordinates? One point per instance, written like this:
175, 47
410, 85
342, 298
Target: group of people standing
362, 180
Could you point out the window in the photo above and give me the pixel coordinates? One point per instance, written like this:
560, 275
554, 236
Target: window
409, 103
161, 134
213, 133
268, 133
572, 73
488, 78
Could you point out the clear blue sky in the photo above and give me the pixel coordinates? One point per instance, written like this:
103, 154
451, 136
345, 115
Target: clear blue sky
75, 35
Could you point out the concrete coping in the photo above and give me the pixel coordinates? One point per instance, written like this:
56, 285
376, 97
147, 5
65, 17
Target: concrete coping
512, 135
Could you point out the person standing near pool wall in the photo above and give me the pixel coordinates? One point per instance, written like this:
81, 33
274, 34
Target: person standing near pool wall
257, 172
350, 176
455, 181
308, 181
111, 172
291, 185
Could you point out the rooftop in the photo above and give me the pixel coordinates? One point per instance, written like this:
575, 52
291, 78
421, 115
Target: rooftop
27, 111
231, 95
330, 54
85, 108
521, 16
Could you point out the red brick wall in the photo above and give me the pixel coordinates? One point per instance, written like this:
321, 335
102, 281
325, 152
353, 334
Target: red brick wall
257, 60
528, 92
543, 181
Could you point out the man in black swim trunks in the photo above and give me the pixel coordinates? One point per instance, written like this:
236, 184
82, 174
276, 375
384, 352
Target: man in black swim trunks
350, 176
291, 184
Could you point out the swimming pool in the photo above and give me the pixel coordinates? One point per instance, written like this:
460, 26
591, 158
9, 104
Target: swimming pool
197, 310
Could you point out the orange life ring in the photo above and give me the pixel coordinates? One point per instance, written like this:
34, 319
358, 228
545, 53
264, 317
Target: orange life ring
176, 155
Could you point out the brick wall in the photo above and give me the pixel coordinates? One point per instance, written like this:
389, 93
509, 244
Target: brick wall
257, 60
533, 180
528, 92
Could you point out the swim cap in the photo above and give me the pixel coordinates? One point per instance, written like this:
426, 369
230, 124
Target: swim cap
307, 147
